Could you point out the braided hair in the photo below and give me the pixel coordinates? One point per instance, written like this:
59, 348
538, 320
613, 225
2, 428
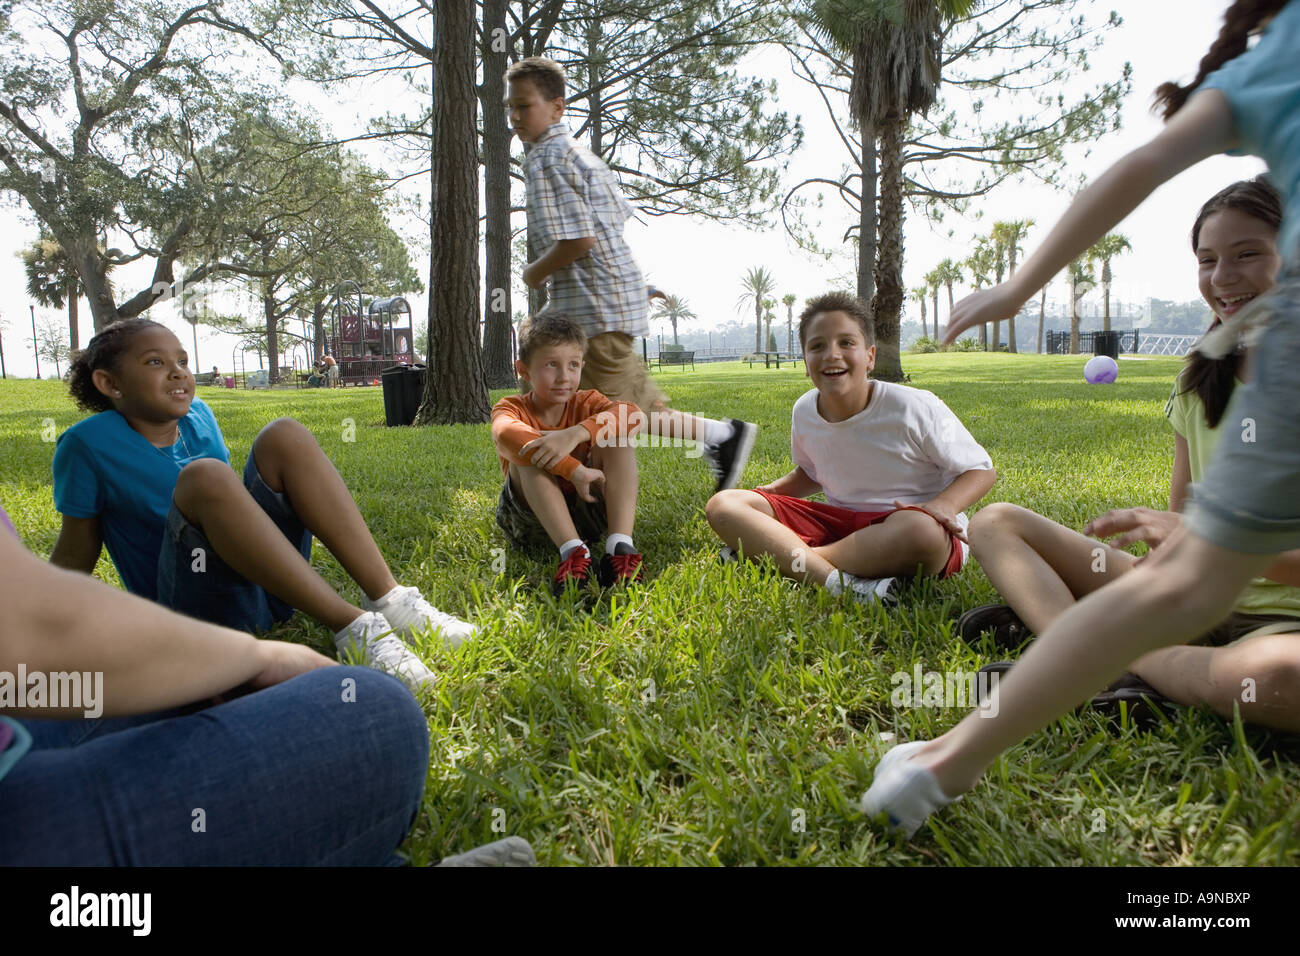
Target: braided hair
102, 352
1213, 379
1240, 20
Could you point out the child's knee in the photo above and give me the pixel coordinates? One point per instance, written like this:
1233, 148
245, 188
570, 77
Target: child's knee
204, 478
926, 542
725, 505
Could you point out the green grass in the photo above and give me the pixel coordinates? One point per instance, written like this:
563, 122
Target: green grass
699, 718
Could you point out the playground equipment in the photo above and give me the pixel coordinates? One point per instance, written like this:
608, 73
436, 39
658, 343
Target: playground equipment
365, 341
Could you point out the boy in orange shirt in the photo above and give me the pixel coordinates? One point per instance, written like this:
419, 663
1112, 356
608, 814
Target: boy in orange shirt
562, 450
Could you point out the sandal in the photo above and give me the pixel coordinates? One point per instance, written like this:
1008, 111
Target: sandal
1009, 632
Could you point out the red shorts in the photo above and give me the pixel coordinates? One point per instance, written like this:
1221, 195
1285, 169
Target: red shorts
821, 524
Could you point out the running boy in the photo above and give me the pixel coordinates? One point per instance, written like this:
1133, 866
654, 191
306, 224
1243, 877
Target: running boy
575, 237
897, 467
560, 448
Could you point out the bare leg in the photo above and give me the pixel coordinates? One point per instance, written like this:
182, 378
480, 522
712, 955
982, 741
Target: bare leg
540, 489
893, 547
1186, 586
747, 523
290, 460
1038, 566
1260, 675
212, 498
618, 462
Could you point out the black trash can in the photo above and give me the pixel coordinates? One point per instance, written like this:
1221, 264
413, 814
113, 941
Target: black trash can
403, 389
1106, 343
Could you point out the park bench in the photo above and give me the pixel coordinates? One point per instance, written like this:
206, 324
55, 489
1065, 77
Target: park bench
208, 378
674, 358
772, 358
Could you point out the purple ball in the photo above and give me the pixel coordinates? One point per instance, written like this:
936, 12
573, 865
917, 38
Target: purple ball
1101, 370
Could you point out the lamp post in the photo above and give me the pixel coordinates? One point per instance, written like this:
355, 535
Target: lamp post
35, 354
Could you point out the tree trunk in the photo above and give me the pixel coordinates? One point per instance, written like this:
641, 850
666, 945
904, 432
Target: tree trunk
997, 335
1074, 317
454, 390
867, 219
887, 304
936, 313
758, 322
498, 367
1011, 323
1042, 314
74, 292
318, 330
272, 338
1105, 289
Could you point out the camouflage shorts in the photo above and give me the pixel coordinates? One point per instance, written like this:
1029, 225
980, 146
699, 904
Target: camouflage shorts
524, 531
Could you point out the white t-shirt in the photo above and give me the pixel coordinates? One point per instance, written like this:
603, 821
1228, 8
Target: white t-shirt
906, 445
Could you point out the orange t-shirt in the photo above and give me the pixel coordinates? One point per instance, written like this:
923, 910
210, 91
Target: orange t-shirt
515, 424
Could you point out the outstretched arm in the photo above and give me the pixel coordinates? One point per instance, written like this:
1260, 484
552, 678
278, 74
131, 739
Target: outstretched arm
1202, 128
797, 484
151, 658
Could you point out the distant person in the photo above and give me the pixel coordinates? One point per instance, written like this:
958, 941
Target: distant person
331, 369
149, 476
569, 464
576, 215
896, 465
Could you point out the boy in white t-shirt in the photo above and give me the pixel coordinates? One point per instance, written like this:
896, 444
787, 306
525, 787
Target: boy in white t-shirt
896, 465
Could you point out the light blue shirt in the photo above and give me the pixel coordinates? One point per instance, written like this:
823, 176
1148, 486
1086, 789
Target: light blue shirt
1263, 90
104, 467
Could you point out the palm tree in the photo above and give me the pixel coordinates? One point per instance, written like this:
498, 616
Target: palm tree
1079, 274
933, 280
52, 279
982, 264
946, 272
674, 309
895, 50
920, 294
1042, 314
788, 300
768, 306
1103, 250
757, 283
1008, 236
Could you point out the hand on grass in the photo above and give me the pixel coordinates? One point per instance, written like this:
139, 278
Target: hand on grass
1134, 525
551, 448
588, 482
941, 512
987, 305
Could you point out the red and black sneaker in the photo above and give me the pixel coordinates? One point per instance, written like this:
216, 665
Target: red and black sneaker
619, 569
575, 570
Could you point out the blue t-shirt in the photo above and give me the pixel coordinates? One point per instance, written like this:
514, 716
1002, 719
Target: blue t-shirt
1263, 91
104, 467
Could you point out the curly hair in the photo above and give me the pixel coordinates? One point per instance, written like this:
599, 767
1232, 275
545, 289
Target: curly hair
546, 75
549, 330
845, 302
102, 352
1239, 21
1213, 379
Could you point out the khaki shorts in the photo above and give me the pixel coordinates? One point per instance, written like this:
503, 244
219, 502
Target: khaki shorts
1239, 625
612, 367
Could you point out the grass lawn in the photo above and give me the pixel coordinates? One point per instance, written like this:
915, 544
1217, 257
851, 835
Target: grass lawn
719, 714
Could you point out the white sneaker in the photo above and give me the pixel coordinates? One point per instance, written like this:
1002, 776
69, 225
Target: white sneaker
406, 610
864, 590
906, 791
371, 637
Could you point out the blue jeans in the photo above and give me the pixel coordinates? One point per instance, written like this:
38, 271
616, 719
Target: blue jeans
193, 580
296, 774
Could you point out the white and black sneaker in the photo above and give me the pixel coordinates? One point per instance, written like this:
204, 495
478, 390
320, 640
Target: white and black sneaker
728, 459
884, 591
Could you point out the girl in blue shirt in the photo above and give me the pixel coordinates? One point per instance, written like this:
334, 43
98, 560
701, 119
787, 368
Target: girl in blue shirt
1245, 511
149, 476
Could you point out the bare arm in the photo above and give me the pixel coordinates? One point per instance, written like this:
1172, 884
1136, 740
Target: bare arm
564, 252
797, 484
967, 489
80, 541
151, 658
1181, 476
1202, 128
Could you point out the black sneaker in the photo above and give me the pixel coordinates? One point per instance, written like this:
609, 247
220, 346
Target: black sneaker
622, 567
728, 459
1146, 705
999, 668
1009, 632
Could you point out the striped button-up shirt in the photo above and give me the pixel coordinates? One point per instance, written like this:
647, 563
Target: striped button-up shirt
573, 195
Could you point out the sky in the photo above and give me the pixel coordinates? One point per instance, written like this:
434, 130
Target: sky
704, 261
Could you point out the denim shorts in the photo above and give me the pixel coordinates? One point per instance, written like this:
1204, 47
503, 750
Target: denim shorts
193, 580
1247, 500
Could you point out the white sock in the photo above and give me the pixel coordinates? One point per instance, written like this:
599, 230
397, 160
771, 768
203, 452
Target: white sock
379, 602
614, 540
569, 547
715, 432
